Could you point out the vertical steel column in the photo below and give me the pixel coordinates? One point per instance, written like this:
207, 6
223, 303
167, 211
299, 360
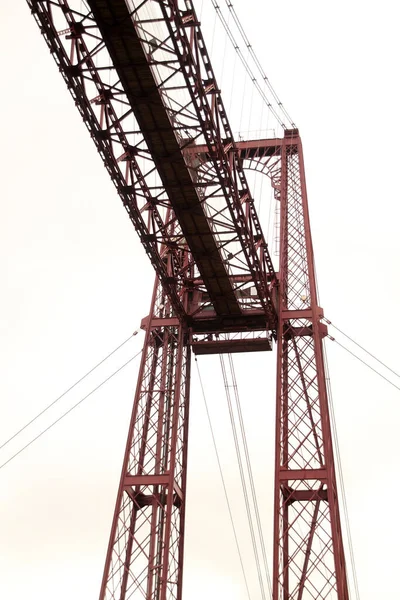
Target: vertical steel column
145, 552
308, 548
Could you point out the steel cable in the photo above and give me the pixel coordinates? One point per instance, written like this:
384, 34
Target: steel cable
340, 471
250, 72
69, 410
66, 391
335, 434
362, 348
364, 362
243, 479
223, 480
250, 472
257, 61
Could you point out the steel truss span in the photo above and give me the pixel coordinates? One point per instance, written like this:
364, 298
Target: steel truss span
143, 83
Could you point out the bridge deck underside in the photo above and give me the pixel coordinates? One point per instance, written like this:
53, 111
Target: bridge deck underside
141, 89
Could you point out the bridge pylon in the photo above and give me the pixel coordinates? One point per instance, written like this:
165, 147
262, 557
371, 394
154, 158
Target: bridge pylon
142, 80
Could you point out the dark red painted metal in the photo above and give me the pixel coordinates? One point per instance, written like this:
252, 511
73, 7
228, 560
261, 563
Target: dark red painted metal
308, 546
145, 552
143, 83
142, 80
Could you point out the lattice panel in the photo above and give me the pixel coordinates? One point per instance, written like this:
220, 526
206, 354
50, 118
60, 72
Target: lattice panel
308, 568
297, 281
301, 423
146, 545
167, 35
309, 556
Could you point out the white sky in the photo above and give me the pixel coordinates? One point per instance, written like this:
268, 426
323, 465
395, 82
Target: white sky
75, 283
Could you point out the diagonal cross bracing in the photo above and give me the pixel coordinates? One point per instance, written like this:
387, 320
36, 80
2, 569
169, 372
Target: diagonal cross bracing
142, 81
144, 87
132, 64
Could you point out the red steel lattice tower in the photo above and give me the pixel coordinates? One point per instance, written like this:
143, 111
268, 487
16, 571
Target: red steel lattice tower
308, 547
142, 80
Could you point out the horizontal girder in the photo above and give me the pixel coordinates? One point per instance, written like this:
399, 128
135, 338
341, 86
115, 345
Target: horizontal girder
142, 81
231, 346
248, 149
132, 65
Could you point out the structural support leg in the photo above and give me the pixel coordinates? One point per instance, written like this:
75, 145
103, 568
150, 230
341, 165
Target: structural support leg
145, 552
308, 547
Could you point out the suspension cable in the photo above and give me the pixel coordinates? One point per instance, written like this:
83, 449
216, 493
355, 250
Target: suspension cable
362, 348
223, 480
340, 472
242, 478
250, 472
364, 362
66, 391
257, 61
335, 434
249, 71
69, 410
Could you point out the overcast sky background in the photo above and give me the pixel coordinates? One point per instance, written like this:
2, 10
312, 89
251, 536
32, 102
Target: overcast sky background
76, 283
